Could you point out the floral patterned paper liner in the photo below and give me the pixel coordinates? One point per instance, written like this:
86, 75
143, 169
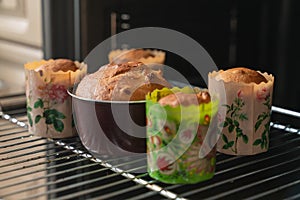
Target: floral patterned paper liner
174, 140
245, 129
49, 108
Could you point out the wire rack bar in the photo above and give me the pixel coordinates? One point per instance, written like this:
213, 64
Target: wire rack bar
60, 157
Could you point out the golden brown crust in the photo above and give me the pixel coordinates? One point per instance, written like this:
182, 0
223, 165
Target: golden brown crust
58, 65
132, 55
111, 75
121, 68
184, 99
141, 92
242, 74
122, 82
203, 97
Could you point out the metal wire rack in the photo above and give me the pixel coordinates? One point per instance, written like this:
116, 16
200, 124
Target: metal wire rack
37, 168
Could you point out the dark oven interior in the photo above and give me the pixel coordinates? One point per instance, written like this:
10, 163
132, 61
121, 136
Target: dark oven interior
255, 33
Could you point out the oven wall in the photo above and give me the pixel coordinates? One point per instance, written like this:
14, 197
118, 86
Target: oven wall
259, 34
20, 41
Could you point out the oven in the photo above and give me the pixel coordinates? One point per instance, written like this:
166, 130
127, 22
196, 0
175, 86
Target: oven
249, 33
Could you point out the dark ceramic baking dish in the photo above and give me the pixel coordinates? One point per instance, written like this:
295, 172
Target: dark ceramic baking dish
110, 129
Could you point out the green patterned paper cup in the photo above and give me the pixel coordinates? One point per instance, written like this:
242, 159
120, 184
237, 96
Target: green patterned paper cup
175, 136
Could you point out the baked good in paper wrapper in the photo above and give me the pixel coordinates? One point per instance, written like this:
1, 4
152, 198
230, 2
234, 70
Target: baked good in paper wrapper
177, 128
244, 115
49, 107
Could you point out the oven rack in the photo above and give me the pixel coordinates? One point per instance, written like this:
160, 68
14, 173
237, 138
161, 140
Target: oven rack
35, 168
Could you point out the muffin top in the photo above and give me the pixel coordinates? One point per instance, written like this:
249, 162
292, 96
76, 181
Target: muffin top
132, 55
121, 82
146, 56
184, 99
58, 65
241, 74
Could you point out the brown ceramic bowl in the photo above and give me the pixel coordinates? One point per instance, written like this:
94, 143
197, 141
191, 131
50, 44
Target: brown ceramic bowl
110, 129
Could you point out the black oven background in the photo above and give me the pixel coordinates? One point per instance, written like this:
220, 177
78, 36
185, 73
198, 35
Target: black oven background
260, 34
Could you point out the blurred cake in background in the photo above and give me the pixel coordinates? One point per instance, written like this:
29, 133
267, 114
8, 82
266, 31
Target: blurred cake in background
145, 56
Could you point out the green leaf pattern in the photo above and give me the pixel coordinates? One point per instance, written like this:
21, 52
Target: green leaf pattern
232, 123
52, 117
263, 141
37, 119
39, 103
29, 109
